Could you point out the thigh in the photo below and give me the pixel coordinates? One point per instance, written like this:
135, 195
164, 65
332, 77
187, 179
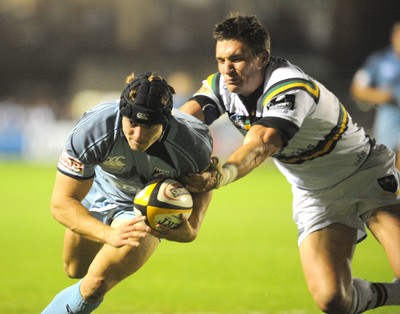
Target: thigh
111, 265
385, 226
78, 254
326, 257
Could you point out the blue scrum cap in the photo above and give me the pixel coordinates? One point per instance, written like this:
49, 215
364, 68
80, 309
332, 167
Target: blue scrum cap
148, 106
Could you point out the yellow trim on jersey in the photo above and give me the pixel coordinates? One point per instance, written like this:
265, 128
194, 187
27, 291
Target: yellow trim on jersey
283, 86
325, 146
213, 82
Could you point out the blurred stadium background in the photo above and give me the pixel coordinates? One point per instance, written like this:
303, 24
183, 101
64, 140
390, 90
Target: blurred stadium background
57, 58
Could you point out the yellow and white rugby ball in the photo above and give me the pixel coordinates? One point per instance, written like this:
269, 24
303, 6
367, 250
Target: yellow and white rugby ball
163, 201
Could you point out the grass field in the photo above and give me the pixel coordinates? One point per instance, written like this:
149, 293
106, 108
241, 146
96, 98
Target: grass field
245, 259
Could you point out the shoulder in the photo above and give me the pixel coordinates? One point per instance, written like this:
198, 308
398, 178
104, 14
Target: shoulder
211, 85
184, 117
191, 141
103, 110
193, 127
96, 130
377, 57
281, 69
100, 118
283, 77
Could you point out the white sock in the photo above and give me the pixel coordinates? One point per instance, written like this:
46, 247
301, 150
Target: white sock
370, 295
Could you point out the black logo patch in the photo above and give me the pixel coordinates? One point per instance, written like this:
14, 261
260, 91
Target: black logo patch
282, 102
388, 183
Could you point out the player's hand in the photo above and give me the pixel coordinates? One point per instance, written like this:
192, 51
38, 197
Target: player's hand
129, 233
184, 233
205, 181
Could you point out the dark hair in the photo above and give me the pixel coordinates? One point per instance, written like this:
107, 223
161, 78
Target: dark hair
242, 27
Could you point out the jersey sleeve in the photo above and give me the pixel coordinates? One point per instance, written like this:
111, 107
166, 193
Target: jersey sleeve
209, 98
89, 142
288, 101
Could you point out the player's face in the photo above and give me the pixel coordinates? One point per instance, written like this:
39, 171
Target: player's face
243, 72
140, 136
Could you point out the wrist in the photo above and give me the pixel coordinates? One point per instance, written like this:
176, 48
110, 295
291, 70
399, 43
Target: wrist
229, 173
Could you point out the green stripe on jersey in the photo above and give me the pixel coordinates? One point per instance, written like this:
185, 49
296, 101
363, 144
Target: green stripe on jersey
291, 84
213, 81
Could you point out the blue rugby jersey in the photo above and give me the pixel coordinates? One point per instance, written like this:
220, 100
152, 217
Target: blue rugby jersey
382, 70
96, 147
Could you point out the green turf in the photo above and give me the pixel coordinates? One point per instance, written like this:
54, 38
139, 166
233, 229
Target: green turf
245, 259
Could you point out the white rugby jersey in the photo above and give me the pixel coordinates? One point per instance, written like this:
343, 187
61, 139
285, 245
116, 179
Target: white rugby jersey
97, 148
322, 146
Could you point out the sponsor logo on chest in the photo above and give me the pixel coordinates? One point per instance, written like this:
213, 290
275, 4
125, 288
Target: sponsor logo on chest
115, 162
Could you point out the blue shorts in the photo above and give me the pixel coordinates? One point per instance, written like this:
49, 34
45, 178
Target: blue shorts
109, 212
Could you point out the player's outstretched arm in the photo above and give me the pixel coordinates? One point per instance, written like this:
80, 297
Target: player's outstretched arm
67, 209
189, 229
259, 144
364, 93
193, 108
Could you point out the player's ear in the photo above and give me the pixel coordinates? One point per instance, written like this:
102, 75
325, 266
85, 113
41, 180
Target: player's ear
263, 59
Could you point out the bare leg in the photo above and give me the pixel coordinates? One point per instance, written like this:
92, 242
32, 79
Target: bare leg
326, 260
78, 254
385, 226
111, 265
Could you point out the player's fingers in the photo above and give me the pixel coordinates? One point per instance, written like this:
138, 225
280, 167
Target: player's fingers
137, 219
137, 234
132, 242
185, 220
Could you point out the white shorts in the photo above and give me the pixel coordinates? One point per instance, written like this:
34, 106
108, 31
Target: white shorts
352, 201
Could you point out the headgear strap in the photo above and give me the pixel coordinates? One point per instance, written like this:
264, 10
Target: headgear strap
147, 108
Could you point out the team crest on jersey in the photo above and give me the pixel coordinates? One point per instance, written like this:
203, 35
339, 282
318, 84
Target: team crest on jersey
70, 164
285, 102
388, 183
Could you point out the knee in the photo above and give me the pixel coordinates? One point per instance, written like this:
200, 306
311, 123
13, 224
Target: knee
332, 300
72, 270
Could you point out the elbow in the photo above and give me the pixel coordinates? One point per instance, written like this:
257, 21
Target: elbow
55, 211
192, 236
58, 209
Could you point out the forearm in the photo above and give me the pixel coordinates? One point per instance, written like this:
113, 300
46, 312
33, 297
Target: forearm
74, 216
194, 109
200, 205
259, 144
371, 95
247, 157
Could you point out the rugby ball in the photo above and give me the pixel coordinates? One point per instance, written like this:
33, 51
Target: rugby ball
162, 202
